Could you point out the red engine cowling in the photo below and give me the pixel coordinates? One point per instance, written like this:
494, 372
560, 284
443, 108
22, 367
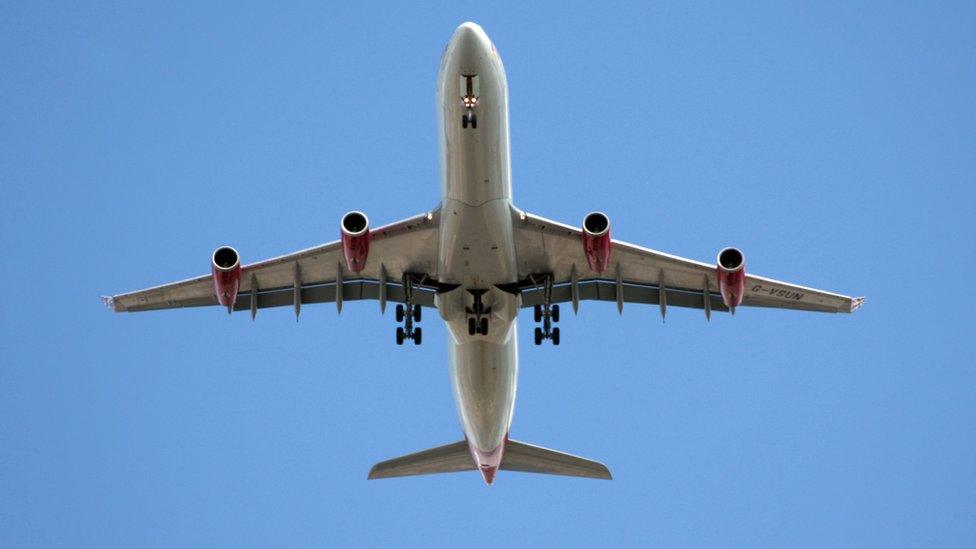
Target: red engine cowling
731, 273
225, 265
596, 240
355, 240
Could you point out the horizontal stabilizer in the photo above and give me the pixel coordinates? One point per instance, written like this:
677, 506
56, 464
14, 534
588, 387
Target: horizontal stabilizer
518, 456
527, 458
449, 458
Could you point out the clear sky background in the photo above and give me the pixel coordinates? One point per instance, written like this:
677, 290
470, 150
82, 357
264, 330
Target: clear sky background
834, 144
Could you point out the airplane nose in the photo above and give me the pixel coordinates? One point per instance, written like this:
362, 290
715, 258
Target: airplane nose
469, 45
470, 33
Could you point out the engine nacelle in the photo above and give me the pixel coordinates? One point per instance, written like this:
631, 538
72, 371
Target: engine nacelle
355, 240
596, 240
731, 273
225, 265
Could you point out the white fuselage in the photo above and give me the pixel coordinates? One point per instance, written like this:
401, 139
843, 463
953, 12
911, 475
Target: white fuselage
477, 248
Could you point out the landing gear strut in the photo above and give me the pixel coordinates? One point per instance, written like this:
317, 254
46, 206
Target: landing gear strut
470, 100
478, 321
546, 313
410, 312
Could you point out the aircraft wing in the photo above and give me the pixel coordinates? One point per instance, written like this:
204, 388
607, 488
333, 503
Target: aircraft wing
640, 275
313, 275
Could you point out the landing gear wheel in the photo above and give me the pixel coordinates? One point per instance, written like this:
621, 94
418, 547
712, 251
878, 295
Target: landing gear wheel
469, 118
399, 313
538, 336
555, 336
416, 313
555, 313
472, 329
417, 336
399, 336
537, 313
484, 326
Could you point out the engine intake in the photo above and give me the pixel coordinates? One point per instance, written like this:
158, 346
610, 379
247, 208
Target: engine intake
731, 273
596, 240
355, 240
225, 266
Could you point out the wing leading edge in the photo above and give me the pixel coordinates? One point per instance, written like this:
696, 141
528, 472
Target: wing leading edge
407, 246
641, 275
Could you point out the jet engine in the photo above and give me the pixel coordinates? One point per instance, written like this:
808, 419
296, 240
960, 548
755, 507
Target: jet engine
225, 265
355, 240
731, 273
596, 240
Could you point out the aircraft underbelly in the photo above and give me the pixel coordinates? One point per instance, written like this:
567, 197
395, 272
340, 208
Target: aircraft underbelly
477, 252
477, 248
484, 376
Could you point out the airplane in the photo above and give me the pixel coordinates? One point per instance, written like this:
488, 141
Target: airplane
478, 260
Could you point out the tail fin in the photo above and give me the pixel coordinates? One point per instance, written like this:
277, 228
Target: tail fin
518, 456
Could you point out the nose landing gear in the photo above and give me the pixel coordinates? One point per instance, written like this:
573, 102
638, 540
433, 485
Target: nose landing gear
470, 100
469, 119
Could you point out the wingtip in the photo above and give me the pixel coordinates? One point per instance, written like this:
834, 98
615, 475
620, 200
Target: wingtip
375, 471
857, 303
109, 302
601, 472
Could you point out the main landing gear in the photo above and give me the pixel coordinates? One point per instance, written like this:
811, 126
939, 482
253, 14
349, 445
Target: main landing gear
409, 313
478, 319
547, 314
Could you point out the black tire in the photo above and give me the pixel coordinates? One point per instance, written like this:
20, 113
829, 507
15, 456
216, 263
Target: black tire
399, 313
484, 326
555, 313
474, 120
399, 336
472, 329
417, 336
416, 313
464, 121
537, 313
555, 336
538, 336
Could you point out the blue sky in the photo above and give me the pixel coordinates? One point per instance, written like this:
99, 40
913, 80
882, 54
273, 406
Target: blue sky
833, 143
